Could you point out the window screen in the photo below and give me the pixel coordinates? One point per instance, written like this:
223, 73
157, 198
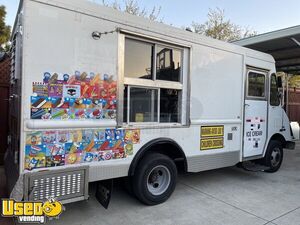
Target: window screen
256, 85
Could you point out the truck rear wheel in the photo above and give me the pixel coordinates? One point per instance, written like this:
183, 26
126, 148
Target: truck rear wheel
155, 179
274, 156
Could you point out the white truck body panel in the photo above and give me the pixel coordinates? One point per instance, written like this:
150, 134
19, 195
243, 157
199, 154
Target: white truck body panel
57, 38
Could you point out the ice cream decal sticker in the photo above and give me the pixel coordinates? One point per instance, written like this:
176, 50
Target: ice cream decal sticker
254, 131
82, 96
58, 148
79, 96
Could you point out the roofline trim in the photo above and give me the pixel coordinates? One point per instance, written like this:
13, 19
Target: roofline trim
286, 32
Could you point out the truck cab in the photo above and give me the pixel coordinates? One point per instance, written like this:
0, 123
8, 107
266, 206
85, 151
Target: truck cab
267, 128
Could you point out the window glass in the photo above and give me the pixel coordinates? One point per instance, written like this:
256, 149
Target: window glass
274, 98
256, 85
169, 106
168, 64
143, 105
138, 59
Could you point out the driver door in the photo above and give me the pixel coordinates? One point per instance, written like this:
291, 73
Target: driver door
256, 111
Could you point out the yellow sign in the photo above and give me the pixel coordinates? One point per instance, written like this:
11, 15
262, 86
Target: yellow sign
212, 131
31, 212
212, 143
139, 117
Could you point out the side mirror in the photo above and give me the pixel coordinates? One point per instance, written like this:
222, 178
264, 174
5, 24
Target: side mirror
279, 82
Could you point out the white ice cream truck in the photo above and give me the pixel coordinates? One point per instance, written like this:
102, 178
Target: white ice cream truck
98, 94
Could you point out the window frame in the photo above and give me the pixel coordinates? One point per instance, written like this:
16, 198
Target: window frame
249, 97
181, 85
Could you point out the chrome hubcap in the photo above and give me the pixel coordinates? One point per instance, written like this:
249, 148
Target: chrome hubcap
158, 180
275, 157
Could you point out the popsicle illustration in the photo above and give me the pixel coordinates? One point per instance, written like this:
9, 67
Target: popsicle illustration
59, 113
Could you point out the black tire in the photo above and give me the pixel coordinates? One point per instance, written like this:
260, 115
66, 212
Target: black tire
154, 167
274, 156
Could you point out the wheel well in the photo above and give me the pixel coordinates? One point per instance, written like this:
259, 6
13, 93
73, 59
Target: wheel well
163, 146
280, 138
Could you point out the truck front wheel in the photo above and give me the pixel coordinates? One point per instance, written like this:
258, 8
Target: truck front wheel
274, 156
155, 179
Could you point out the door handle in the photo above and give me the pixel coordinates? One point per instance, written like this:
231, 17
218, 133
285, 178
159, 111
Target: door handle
11, 97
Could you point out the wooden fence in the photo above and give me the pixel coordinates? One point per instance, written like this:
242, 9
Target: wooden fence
293, 105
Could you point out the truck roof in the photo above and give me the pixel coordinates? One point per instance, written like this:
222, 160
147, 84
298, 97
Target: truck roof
96, 10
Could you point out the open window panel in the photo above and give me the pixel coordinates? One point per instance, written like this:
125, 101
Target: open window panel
155, 87
149, 105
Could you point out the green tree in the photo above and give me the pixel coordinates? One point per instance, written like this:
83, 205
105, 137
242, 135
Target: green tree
133, 7
4, 30
219, 27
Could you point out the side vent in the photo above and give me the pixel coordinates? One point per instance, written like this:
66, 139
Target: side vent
66, 185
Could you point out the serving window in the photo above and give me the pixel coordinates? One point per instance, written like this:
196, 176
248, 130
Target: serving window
155, 81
